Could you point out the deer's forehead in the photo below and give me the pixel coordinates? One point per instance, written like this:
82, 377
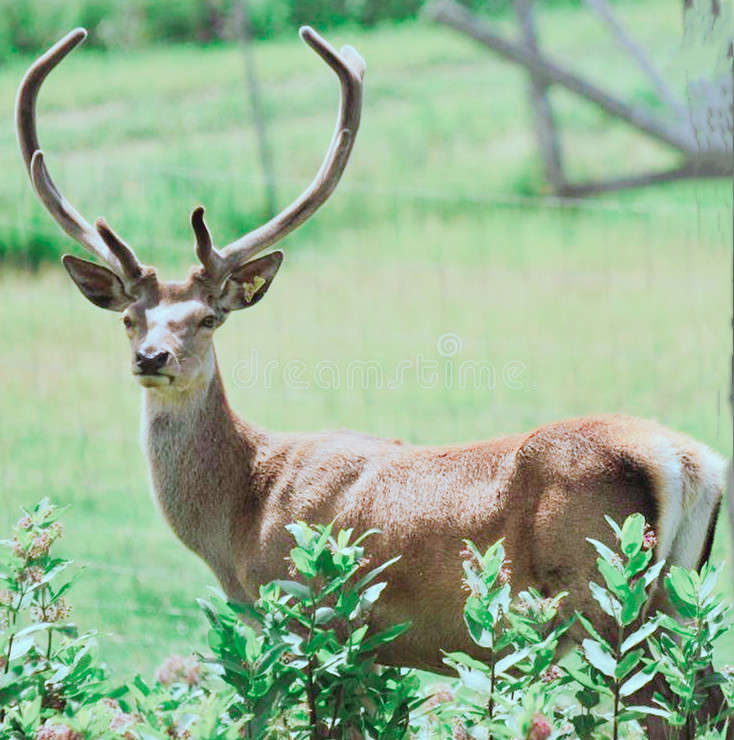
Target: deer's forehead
174, 312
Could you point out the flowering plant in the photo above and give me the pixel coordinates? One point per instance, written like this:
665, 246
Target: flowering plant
301, 664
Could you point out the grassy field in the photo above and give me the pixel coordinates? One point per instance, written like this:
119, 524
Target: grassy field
618, 304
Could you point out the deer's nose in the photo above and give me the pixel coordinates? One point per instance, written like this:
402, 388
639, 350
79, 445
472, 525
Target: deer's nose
149, 363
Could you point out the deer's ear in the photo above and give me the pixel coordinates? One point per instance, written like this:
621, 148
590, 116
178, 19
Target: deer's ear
249, 283
99, 284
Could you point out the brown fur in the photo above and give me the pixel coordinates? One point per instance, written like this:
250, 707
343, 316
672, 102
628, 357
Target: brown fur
544, 492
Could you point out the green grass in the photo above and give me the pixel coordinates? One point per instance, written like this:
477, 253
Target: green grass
621, 304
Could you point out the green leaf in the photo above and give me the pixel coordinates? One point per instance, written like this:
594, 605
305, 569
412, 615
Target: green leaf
141, 686
385, 636
637, 563
615, 580
323, 615
323, 539
639, 635
588, 698
253, 644
628, 663
634, 602
295, 589
512, 659
67, 586
370, 595
476, 612
482, 636
709, 575
653, 572
681, 589
589, 627
342, 538
301, 532
628, 714
614, 526
585, 725
21, 647
357, 637
599, 658
32, 630
608, 555
669, 623
369, 577
585, 680
644, 711
464, 659
606, 601
303, 561
369, 533
633, 531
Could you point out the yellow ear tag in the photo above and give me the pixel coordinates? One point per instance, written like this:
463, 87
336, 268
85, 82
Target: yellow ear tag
250, 289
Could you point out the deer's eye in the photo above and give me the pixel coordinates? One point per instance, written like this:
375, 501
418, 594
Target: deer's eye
208, 322
128, 322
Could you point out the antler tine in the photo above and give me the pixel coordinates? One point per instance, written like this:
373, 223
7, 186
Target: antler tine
119, 257
124, 254
349, 67
204, 246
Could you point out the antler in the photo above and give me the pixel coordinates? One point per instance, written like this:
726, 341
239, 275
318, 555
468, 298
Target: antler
349, 67
102, 242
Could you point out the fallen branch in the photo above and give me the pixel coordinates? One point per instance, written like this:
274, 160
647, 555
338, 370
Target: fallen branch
457, 17
689, 171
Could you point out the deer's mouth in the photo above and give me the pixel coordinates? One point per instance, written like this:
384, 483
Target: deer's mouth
153, 380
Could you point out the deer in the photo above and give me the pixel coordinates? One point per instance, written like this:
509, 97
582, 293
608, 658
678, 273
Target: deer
228, 488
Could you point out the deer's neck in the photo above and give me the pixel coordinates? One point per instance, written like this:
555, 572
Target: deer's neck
200, 457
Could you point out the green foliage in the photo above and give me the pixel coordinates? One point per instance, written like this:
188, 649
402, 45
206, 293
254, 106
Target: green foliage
52, 685
31, 25
615, 662
46, 666
310, 665
684, 651
300, 662
308, 670
518, 691
503, 692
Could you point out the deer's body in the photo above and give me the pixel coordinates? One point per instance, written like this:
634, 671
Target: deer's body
228, 489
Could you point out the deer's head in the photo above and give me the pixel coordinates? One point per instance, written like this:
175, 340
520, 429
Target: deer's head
170, 324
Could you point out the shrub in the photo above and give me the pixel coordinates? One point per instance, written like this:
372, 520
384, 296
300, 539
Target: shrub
310, 667
301, 661
518, 691
308, 671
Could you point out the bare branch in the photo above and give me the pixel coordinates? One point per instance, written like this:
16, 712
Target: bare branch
689, 171
455, 16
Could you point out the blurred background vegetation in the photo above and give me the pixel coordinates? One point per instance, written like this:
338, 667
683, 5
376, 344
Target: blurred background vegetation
440, 226
29, 25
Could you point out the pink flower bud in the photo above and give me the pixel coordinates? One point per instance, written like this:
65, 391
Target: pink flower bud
540, 728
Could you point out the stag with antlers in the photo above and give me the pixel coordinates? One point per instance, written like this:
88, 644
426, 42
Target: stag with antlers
228, 488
